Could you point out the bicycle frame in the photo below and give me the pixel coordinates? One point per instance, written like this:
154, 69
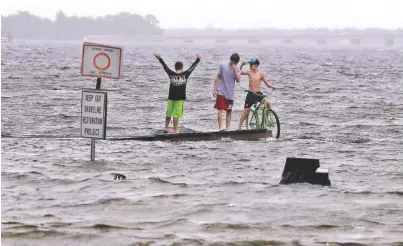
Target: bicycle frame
259, 118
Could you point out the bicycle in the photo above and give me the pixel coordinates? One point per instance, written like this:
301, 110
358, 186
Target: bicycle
261, 117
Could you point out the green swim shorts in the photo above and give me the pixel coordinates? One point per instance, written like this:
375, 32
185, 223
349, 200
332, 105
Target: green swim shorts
175, 108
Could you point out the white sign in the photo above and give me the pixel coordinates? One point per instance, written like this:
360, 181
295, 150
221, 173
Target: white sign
93, 114
102, 61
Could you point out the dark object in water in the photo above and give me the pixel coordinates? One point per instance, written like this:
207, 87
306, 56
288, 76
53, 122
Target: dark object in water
302, 170
119, 176
255, 134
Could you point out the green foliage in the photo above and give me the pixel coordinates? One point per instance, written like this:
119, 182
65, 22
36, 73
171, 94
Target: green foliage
27, 26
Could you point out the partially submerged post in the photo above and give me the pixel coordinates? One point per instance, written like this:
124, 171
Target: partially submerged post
100, 61
302, 170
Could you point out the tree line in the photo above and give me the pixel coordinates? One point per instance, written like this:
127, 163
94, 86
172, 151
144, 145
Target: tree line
25, 25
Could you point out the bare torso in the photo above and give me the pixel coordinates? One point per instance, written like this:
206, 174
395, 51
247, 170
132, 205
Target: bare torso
255, 78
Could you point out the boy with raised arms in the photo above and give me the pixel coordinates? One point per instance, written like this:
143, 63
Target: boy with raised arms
177, 90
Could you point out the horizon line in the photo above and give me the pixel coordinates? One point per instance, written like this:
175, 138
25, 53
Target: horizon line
208, 26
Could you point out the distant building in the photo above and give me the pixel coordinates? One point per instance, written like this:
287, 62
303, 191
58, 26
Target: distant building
6, 37
288, 41
355, 41
390, 41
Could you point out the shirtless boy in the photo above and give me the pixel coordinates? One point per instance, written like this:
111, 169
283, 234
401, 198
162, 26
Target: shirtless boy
255, 95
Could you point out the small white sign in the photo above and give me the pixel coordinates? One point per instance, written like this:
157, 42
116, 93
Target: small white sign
102, 61
93, 114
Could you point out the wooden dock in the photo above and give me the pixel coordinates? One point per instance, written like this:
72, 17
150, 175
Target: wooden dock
255, 134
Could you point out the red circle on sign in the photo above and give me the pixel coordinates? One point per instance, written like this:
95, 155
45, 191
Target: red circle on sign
108, 64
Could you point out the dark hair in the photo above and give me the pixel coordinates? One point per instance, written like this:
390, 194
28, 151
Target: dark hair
178, 65
235, 58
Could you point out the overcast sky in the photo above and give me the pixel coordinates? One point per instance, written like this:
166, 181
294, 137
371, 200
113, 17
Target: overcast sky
231, 14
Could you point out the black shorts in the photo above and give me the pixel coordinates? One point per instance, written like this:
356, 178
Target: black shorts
252, 98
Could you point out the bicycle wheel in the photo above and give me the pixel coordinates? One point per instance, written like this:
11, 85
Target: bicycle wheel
271, 122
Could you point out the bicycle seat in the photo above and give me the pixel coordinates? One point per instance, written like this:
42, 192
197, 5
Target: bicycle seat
255, 106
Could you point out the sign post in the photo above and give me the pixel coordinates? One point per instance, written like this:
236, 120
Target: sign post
100, 61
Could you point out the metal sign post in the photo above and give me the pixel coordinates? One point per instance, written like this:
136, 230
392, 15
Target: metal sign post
98, 87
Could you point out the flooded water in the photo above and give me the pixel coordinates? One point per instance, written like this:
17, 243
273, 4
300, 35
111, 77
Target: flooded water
342, 105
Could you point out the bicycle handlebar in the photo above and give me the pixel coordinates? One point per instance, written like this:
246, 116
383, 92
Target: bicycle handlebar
255, 92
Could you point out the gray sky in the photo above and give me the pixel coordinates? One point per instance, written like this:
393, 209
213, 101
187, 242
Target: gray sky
231, 14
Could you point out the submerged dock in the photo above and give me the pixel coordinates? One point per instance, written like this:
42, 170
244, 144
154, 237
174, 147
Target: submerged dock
255, 134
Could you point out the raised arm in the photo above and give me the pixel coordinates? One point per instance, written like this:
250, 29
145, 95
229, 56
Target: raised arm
266, 81
237, 75
166, 68
244, 73
190, 70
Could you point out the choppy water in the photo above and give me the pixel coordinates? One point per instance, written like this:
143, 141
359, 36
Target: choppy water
341, 105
